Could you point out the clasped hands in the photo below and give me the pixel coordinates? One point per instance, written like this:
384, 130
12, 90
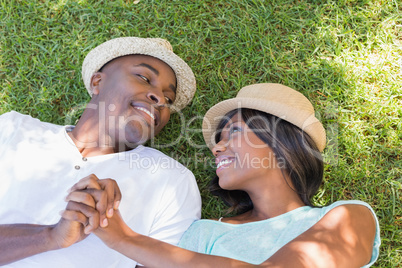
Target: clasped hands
91, 204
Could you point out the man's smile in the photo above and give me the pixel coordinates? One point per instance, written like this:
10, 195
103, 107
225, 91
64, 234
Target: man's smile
152, 113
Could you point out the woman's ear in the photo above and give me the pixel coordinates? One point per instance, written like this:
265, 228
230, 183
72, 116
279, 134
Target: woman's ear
95, 81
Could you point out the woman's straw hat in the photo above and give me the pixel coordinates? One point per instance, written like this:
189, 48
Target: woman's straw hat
275, 99
155, 47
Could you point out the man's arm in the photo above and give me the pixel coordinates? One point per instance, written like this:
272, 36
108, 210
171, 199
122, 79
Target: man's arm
19, 241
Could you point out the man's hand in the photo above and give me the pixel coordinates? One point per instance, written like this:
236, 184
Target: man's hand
90, 192
18, 241
77, 221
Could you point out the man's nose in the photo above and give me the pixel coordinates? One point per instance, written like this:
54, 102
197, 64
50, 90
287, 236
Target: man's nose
156, 98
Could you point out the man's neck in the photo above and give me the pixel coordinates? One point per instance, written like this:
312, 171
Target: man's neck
88, 137
89, 148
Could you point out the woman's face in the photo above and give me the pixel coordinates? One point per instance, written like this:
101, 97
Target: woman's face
243, 160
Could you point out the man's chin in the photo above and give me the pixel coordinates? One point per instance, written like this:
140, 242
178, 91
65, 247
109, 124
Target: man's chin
126, 146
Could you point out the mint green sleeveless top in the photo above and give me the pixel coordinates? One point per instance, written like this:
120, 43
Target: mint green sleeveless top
255, 242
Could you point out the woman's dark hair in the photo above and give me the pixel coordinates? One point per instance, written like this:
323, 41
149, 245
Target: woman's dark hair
294, 150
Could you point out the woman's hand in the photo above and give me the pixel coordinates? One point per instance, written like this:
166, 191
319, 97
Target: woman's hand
116, 231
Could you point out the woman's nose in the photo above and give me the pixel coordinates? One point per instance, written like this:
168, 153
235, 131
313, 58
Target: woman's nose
219, 148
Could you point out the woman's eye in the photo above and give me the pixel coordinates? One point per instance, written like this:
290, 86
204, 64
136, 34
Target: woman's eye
143, 78
234, 130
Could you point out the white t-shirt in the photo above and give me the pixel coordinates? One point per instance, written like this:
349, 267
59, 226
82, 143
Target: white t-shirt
39, 163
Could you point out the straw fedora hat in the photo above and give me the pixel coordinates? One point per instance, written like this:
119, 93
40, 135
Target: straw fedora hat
155, 47
275, 99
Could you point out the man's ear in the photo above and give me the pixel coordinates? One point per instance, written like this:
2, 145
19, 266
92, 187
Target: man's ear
95, 81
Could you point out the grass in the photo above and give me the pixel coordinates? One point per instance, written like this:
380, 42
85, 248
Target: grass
346, 56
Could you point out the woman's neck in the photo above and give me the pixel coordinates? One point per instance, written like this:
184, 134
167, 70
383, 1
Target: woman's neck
276, 197
266, 209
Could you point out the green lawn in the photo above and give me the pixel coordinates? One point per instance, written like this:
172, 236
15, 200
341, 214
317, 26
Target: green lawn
346, 56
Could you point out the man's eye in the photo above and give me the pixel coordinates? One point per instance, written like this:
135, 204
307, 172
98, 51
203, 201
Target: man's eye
168, 100
143, 78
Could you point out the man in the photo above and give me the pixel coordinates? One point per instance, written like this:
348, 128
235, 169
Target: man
135, 83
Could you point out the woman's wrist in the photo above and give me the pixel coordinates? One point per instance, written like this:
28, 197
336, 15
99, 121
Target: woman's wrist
117, 240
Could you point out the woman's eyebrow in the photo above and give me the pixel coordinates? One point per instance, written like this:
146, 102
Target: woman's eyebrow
228, 126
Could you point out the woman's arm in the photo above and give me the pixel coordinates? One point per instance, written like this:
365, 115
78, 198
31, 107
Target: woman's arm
154, 253
342, 238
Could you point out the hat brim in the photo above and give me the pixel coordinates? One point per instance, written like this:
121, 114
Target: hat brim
305, 121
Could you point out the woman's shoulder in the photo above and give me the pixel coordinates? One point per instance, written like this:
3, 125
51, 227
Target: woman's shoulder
353, 219
202, 224
347, 202
343, 210
347, 209
352, 212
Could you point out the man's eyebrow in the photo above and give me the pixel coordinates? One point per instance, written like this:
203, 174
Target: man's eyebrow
172, 87
149, 67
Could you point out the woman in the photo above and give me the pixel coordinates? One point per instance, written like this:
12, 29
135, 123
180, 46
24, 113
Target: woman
267, 145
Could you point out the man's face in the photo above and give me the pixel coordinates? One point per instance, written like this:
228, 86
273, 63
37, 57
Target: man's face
134, 92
